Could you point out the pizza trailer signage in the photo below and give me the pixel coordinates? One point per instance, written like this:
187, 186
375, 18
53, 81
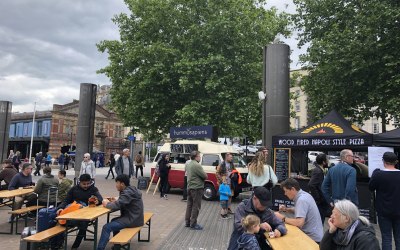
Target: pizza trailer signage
332, 131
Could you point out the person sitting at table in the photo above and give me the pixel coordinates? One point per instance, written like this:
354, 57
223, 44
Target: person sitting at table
306, 213
64, 185
81, 194
7, 174
23, 180
248, 241
130, 204
257, 205
348, 230
43, 185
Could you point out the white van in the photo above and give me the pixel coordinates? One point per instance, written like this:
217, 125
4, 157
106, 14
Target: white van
212, 154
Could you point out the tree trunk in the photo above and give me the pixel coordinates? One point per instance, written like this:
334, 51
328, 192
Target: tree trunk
383, 117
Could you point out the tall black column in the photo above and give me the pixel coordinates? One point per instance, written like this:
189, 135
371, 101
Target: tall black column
85, 129
5, 121
276, 119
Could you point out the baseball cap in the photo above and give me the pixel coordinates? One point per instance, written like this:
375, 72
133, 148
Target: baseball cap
263, 195
389, 157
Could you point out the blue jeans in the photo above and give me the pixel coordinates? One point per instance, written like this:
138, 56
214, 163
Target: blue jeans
386, 226
112, 226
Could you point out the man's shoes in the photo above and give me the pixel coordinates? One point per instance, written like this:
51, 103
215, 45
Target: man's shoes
187, 225
196, 227
165, 197
230, 211
184, 200
106, 178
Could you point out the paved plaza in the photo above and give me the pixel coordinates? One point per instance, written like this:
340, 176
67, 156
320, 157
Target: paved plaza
167, 230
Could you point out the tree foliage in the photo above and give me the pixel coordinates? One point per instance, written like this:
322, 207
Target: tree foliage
353, 56
190, 62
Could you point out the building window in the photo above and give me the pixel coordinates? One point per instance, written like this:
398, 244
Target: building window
39, 129
297, 123
297, 106
375, 128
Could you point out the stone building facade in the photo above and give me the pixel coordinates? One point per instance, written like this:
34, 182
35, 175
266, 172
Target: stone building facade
56, 130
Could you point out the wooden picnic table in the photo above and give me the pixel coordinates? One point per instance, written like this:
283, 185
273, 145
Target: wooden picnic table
293, 240
90, 214
10, 195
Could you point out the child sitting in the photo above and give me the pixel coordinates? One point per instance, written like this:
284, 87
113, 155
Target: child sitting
251, 225
224, 193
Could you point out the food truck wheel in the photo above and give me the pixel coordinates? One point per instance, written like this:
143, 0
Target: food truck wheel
209, 192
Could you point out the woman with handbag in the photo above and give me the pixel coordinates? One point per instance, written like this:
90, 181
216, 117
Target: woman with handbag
261, 174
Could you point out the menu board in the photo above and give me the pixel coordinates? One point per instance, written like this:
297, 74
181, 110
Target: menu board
282, 163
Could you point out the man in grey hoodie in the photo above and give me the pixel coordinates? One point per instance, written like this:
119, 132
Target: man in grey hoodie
131, 205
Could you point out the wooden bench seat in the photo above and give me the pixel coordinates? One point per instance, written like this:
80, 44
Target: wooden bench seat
45, 235
8, 203
124, 237
25, 210
22, 213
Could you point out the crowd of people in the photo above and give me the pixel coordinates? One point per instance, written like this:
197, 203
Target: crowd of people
332, 193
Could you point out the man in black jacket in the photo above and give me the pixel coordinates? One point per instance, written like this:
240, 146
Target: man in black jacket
317, 177
81, 194
130, 204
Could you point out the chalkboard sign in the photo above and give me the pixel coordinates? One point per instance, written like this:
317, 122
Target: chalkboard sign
282, 163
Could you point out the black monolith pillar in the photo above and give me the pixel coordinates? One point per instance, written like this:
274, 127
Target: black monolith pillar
5, 121
85, 129
276, 119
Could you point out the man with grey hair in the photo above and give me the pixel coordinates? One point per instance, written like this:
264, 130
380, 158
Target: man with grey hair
340, 182
195, 185
124, 164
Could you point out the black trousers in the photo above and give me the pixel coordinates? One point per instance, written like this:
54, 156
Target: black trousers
141, 170
38, 167
110, 171
163, 185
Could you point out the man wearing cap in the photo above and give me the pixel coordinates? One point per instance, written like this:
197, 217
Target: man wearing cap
340, 182
386, 184
306, 213
257, 205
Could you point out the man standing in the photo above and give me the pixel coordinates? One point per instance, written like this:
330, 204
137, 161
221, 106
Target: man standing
225, 169
317, 177
306, 214
130, 204
61, 160
258, 206
196, 177
124, 164
340, 182
38, 160
81, 194
386, 184
139, 163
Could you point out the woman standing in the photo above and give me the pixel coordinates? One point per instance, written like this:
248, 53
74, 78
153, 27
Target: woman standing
111, 164
164, 167
261, 174
88, 167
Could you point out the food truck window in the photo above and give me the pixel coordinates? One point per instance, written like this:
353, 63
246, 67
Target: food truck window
210, 160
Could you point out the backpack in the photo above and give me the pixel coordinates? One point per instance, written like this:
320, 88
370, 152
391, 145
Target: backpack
138, 159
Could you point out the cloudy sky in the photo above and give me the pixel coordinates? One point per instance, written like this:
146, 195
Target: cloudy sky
47, 48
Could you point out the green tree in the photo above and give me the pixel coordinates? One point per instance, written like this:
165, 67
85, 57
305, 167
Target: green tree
353, 56
190, 62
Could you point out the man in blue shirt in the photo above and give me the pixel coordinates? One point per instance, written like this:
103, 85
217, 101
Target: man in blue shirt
340, 182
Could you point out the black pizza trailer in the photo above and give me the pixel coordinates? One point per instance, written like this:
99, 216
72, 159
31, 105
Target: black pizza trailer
331, 133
